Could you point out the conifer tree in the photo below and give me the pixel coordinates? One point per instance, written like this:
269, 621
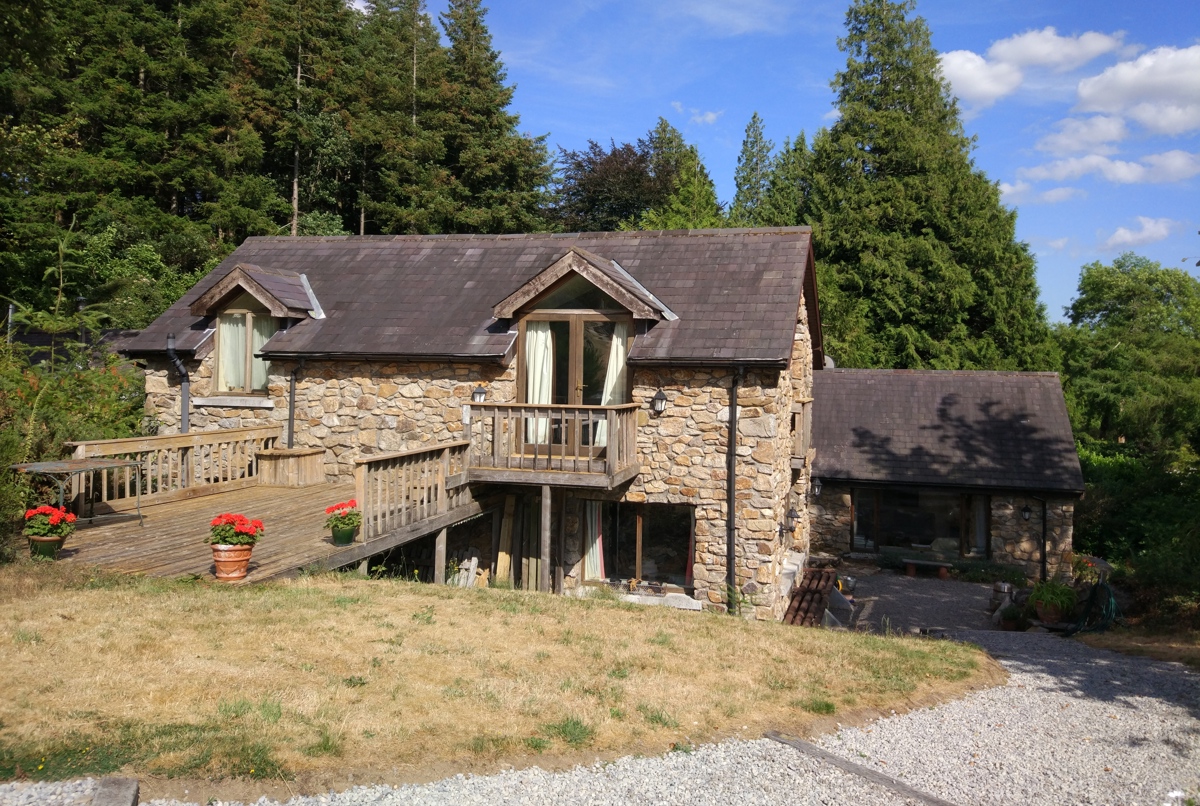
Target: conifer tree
786, 198
917, 257
691, 202
752, 176
497, 177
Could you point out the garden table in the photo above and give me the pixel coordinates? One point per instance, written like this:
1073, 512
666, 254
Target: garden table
62, 470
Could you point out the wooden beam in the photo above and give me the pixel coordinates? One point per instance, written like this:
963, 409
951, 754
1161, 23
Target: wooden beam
544, 560
439, 558
558, 478
504, 556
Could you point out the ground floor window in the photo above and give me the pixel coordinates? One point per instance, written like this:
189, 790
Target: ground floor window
653, 543
921, 518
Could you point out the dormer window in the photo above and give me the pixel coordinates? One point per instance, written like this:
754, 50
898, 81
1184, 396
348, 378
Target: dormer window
242, 329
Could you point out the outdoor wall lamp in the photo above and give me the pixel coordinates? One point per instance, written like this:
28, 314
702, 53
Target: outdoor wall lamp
789, 524
658, 403
478, 395
1026, 512
816, 486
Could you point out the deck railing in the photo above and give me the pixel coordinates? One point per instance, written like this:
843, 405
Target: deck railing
572, 439
173, 467
396, 489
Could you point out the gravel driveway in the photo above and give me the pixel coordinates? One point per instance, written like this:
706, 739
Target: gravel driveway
1074, 725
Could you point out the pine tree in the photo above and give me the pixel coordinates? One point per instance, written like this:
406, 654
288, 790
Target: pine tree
786, 198
752, 176
918, 260
690, 198
496, 176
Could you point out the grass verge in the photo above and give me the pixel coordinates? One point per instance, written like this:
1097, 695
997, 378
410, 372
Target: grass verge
332, 673
1181, 646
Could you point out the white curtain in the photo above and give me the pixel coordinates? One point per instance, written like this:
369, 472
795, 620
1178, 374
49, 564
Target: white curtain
593, 539
231, 358
264, 328
539, 376
614, 379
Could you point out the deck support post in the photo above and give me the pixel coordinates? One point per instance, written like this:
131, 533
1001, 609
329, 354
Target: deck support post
544, 564
439, 558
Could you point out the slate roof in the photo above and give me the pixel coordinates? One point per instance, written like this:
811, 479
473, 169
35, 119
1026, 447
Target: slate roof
736, 293
964, 429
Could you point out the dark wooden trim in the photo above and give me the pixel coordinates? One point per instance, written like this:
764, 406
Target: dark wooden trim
559, 270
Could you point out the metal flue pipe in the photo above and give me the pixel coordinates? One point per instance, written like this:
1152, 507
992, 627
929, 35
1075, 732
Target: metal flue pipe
185, 385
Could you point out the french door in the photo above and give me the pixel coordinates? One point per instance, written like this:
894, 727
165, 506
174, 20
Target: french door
572, 359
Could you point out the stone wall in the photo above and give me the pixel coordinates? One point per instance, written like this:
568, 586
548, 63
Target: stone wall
1016, 541
352, 409
832, 518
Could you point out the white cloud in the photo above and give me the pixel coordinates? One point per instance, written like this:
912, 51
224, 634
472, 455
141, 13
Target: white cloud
737, 17
1045, 48
977, 81
833, 115
1092, 135
1152, 230
1058, 243
1159, 89
705, 118
1020, 192
1170, 166
678, 107
982, 81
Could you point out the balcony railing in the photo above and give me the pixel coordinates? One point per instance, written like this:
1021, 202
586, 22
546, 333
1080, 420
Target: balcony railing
580, 446
398, 490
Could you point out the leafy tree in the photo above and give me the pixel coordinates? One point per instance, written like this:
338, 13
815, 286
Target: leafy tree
1131, 356
752, 177
918, 260
691, 202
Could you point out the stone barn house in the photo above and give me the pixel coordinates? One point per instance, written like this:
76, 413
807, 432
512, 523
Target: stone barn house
635, 408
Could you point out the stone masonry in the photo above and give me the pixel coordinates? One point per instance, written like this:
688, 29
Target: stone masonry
354, 409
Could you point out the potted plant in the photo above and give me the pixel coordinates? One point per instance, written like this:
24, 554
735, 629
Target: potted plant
232, 538
343, 521
1052, 600
47, 527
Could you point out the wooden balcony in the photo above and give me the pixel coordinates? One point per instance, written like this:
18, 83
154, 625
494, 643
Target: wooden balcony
566, 446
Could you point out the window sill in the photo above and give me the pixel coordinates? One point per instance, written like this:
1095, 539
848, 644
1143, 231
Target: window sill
234, 402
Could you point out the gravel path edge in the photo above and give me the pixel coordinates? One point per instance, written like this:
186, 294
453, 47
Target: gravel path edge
899, 787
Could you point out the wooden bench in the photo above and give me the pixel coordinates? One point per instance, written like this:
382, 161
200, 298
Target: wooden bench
943, 569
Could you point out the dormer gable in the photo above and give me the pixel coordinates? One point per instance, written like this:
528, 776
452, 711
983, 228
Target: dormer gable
607, 276
284, 294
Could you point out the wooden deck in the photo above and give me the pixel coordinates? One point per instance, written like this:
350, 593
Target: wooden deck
173, 541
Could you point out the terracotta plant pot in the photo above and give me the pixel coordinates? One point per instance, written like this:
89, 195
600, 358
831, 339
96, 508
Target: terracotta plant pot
44, 546
343, 535
231, 562
1049, 614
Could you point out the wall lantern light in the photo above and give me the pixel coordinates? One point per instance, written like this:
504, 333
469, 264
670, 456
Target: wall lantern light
816, 486
478, 395
1026, 512
789, 524
658, 403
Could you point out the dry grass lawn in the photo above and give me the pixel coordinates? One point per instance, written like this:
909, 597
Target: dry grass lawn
338, 678
1181, 646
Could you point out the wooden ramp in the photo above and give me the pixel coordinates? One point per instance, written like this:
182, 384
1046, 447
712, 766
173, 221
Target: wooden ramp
172, 543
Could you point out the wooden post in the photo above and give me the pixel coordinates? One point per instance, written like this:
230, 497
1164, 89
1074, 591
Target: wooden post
544, 560
497, 518
439, 558
504, 556
360, 496
562, 542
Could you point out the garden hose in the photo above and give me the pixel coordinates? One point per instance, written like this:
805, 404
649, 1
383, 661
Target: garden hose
1100, 612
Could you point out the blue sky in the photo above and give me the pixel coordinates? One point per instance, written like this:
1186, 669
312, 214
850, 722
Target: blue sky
1086, 113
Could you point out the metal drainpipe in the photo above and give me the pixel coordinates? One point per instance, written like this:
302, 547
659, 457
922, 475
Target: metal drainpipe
1044, 572
292, 404
185, 385
731, 494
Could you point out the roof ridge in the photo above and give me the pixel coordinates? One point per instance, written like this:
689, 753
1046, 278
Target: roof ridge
528, 236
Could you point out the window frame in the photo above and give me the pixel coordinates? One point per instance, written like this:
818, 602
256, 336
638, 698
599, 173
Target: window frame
639, 516
248, 367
